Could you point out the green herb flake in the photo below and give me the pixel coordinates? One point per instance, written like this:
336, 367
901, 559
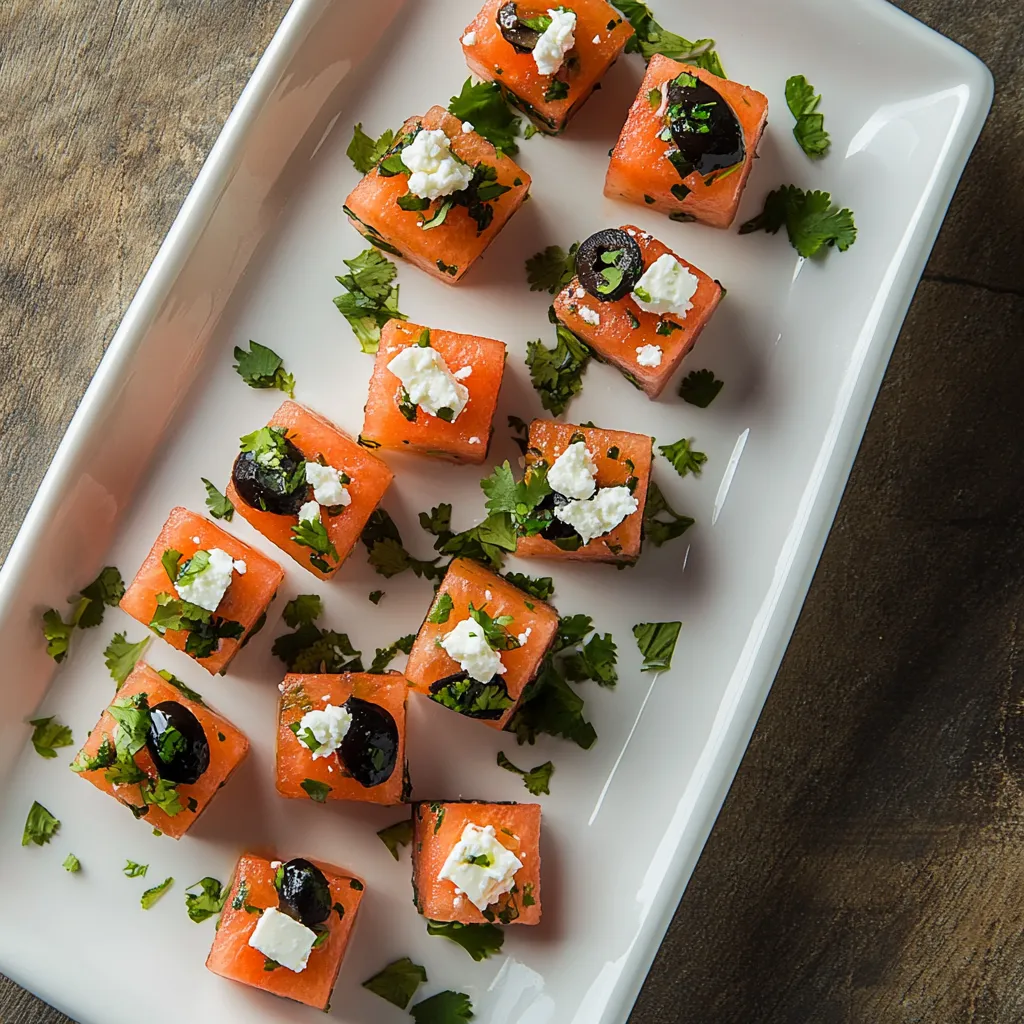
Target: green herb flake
370, 299
150, 896
557, 374
396, 836
479, 940
204, 899
551, 269
684, 459
661, 522
484, 107
218, 504
40, 826
700, 388
650, 38
385, 655
445, 1008
72, 865
303, 610
540, 587
657, 642
312, 534
811, 220
316, 791
48, 734
120, 657
809, 129
376, 595
398, 982
133, 870
261, 368
537, 780
364, 151
442, 610
104, 591
556, 90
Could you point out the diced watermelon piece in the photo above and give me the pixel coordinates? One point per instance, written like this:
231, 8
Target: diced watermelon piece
430, 669
438, 827
640, 173
304, 777
245, 601
228, 748
468, 437
624, 329
620, 457
252, 892
548, 100
447, 250
316, 437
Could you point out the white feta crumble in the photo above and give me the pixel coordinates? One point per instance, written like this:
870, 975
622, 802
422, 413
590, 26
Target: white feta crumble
599, 514
555, 41
524, 636
488, 596
310, 512
329, 727
580, 293
463, 372
428, 381
596, 39
469, 39
467, 127
327, 486
573, 472
208, 586
283, 939
474, 440
468, 645
665, 287
480, 867
591, 316
436, 171
240, 567
649, 355
197, 540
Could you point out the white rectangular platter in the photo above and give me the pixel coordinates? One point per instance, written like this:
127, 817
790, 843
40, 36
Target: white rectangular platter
802, 347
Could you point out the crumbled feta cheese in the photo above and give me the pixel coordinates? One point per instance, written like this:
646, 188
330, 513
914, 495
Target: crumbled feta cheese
283, 939
596, 39
467, 644
555, 41
488, 596
580, 293
591, 316
573, 472
428, 381
329, 727
463, 372
207, 588
649, 355
474, 440
436, 170
467, 127
469, 39
197, 540
310, 512
599, 514
327, 486
480, 867
665, 287
240, 567
524, 636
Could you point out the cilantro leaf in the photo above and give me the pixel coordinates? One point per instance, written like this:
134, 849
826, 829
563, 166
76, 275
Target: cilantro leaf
438, 520
312, 649
550, 705
40, 825
684, 459
657, 642
537, 780
72, 864
48, 733
150, 896
809, 129
396, 836
386, 552
484, 107
540, 587
103, 758
120, 656
304, 609
57, 633
376, 595
370, 299
107, 589
469, 697
209, 900
551, 269
263, 368
478, 940
810, 219
661, 522
486, 542
557, 374
133, 870
700, 388
317, 791
193, 695
650, 38
445, 1008
501, 489
385, 655
442, 610
218, 504
518, 501
312, 534
364, 151
397, 983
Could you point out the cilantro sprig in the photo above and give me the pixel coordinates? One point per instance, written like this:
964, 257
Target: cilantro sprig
364, 151
479, 940
484, 107
811, 220
551, 269
536, 780
87, 611
487, 542
262, 368
700, 388
47, 734
205, 898
657, 643
683, 457
312, 534
386, 552
446, 1007
650, 38
398, 982
557, 373
120, 657
809, 129
219, 505
370, 299
310, 648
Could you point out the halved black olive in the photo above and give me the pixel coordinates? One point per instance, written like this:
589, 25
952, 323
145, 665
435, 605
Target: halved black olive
462, 700
521, 37
703, 126
280, 489
370, 748
304, 892
608, 264
177, 743
556, 529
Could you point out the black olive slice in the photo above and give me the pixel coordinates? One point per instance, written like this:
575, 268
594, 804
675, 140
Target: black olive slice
462, 699
521, 37
608, 264
556, 529
369, 750
177, 743
304, 892
703, 126
281, 489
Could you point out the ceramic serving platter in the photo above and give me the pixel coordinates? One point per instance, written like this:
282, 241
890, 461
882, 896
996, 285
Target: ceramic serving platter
802, 347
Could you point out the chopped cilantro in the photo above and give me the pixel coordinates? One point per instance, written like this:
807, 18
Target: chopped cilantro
57, 634
478, 940
700, 388
549, 705
150, 896
104, 591
438, 520
528, 898
40, 825
684, 459
661, 522
48, 733
445, 1008
398, 982
530, 131
657, 642
809, 129
310, 648
386, 552
193, 695
540, 587
551, 269
72, 864
557, 374
120, 656
370, 299
209, 900
650, 38
441, 610
364, 151
220, 507
472, 698
811, 220
312, 534
396, 836
103, 758
316, 791
484, 107
302, 610
556, 90
262, 368
376, 595
205, 631
133, 870
385, 655
495, 629
537, 780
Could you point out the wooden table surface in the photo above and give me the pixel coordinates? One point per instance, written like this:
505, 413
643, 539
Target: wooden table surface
867, 866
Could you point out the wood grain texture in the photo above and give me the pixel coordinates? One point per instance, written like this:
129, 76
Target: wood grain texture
867, 864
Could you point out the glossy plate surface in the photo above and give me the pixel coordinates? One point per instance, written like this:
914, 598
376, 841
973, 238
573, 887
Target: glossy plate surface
802, 348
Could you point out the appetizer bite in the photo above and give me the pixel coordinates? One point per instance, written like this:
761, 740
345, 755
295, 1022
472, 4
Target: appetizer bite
547, 61
688, 144
597, 482
285, 927
439, 196
307, 487
161, 751
637, 304
475, 862
482, 642
202, 590
342, 737
434, 392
